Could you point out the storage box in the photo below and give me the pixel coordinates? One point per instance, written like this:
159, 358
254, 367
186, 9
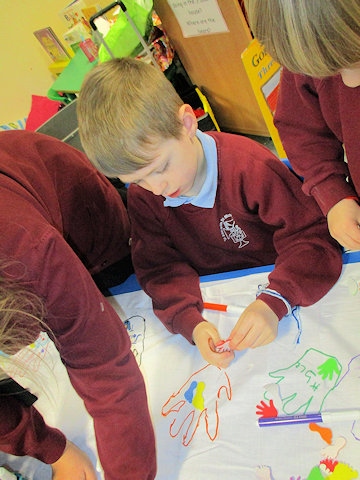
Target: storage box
264, 75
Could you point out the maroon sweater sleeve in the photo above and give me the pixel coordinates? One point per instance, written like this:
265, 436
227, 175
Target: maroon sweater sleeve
24, 432
95, 348
308, 260
312, 147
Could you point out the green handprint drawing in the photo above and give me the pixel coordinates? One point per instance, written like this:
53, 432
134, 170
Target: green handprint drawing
306, 382
328, 368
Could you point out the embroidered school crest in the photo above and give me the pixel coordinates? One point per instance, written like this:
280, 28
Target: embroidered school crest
230, 231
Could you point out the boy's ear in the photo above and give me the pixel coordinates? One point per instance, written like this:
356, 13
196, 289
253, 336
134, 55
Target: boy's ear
188, 119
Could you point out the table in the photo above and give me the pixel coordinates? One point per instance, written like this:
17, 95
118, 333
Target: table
205, 418
70, 80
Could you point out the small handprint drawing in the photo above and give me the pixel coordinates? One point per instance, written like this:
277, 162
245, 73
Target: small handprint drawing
135, 327
266, 410
327, 369
196, 402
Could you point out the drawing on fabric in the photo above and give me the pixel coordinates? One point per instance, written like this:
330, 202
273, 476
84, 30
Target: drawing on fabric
305, 383
31, 356
266, 410
329, 466
330, 371
197, 403
135, 327
315, 375
324, 432
346, 386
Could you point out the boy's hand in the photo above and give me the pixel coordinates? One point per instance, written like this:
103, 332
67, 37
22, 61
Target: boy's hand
74, 464
343, 222
257, 326
206, 336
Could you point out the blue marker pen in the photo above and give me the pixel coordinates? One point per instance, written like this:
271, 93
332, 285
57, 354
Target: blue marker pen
323, 417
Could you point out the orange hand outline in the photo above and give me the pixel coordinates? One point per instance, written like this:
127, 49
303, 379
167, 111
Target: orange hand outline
198, 400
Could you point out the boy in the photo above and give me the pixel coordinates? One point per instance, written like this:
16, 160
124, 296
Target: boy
203, 203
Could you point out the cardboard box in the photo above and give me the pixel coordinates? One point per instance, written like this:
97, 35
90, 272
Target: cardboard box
264, 75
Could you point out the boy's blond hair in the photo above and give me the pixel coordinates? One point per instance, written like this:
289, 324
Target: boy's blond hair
312, 37
125, 108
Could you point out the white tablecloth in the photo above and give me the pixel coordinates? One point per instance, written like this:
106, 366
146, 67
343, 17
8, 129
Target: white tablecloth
205, 419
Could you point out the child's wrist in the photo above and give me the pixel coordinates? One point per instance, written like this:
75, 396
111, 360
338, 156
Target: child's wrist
278, 296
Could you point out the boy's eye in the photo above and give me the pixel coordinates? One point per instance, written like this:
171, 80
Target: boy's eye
163, 168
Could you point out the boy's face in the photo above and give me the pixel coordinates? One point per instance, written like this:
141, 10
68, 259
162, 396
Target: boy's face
178, 167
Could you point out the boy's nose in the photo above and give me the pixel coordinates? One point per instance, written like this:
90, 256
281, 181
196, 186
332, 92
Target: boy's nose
157, 187
157, 190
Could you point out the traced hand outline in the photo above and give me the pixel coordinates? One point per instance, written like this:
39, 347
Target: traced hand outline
198, 400
307, 382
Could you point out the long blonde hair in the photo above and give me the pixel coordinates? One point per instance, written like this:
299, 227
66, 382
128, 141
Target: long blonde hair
125, 108
312, 37
21, 320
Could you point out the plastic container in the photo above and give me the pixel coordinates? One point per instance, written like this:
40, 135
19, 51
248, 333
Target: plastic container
89, 48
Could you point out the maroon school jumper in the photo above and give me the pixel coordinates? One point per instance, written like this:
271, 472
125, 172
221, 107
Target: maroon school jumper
315, 118
55, 209
260, 217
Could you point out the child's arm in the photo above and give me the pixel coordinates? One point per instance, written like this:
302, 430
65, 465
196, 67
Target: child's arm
74, 464
206, 337
23, 431
162, 270
257, 326
314, 151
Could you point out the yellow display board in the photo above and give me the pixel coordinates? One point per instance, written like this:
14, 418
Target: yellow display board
264, 75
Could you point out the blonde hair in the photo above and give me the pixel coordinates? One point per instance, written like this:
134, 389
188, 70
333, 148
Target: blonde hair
312, 37
125, 108
21, 320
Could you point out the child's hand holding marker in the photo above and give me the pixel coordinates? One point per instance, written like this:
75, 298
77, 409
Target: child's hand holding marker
257, 326
206, 337
213, 349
